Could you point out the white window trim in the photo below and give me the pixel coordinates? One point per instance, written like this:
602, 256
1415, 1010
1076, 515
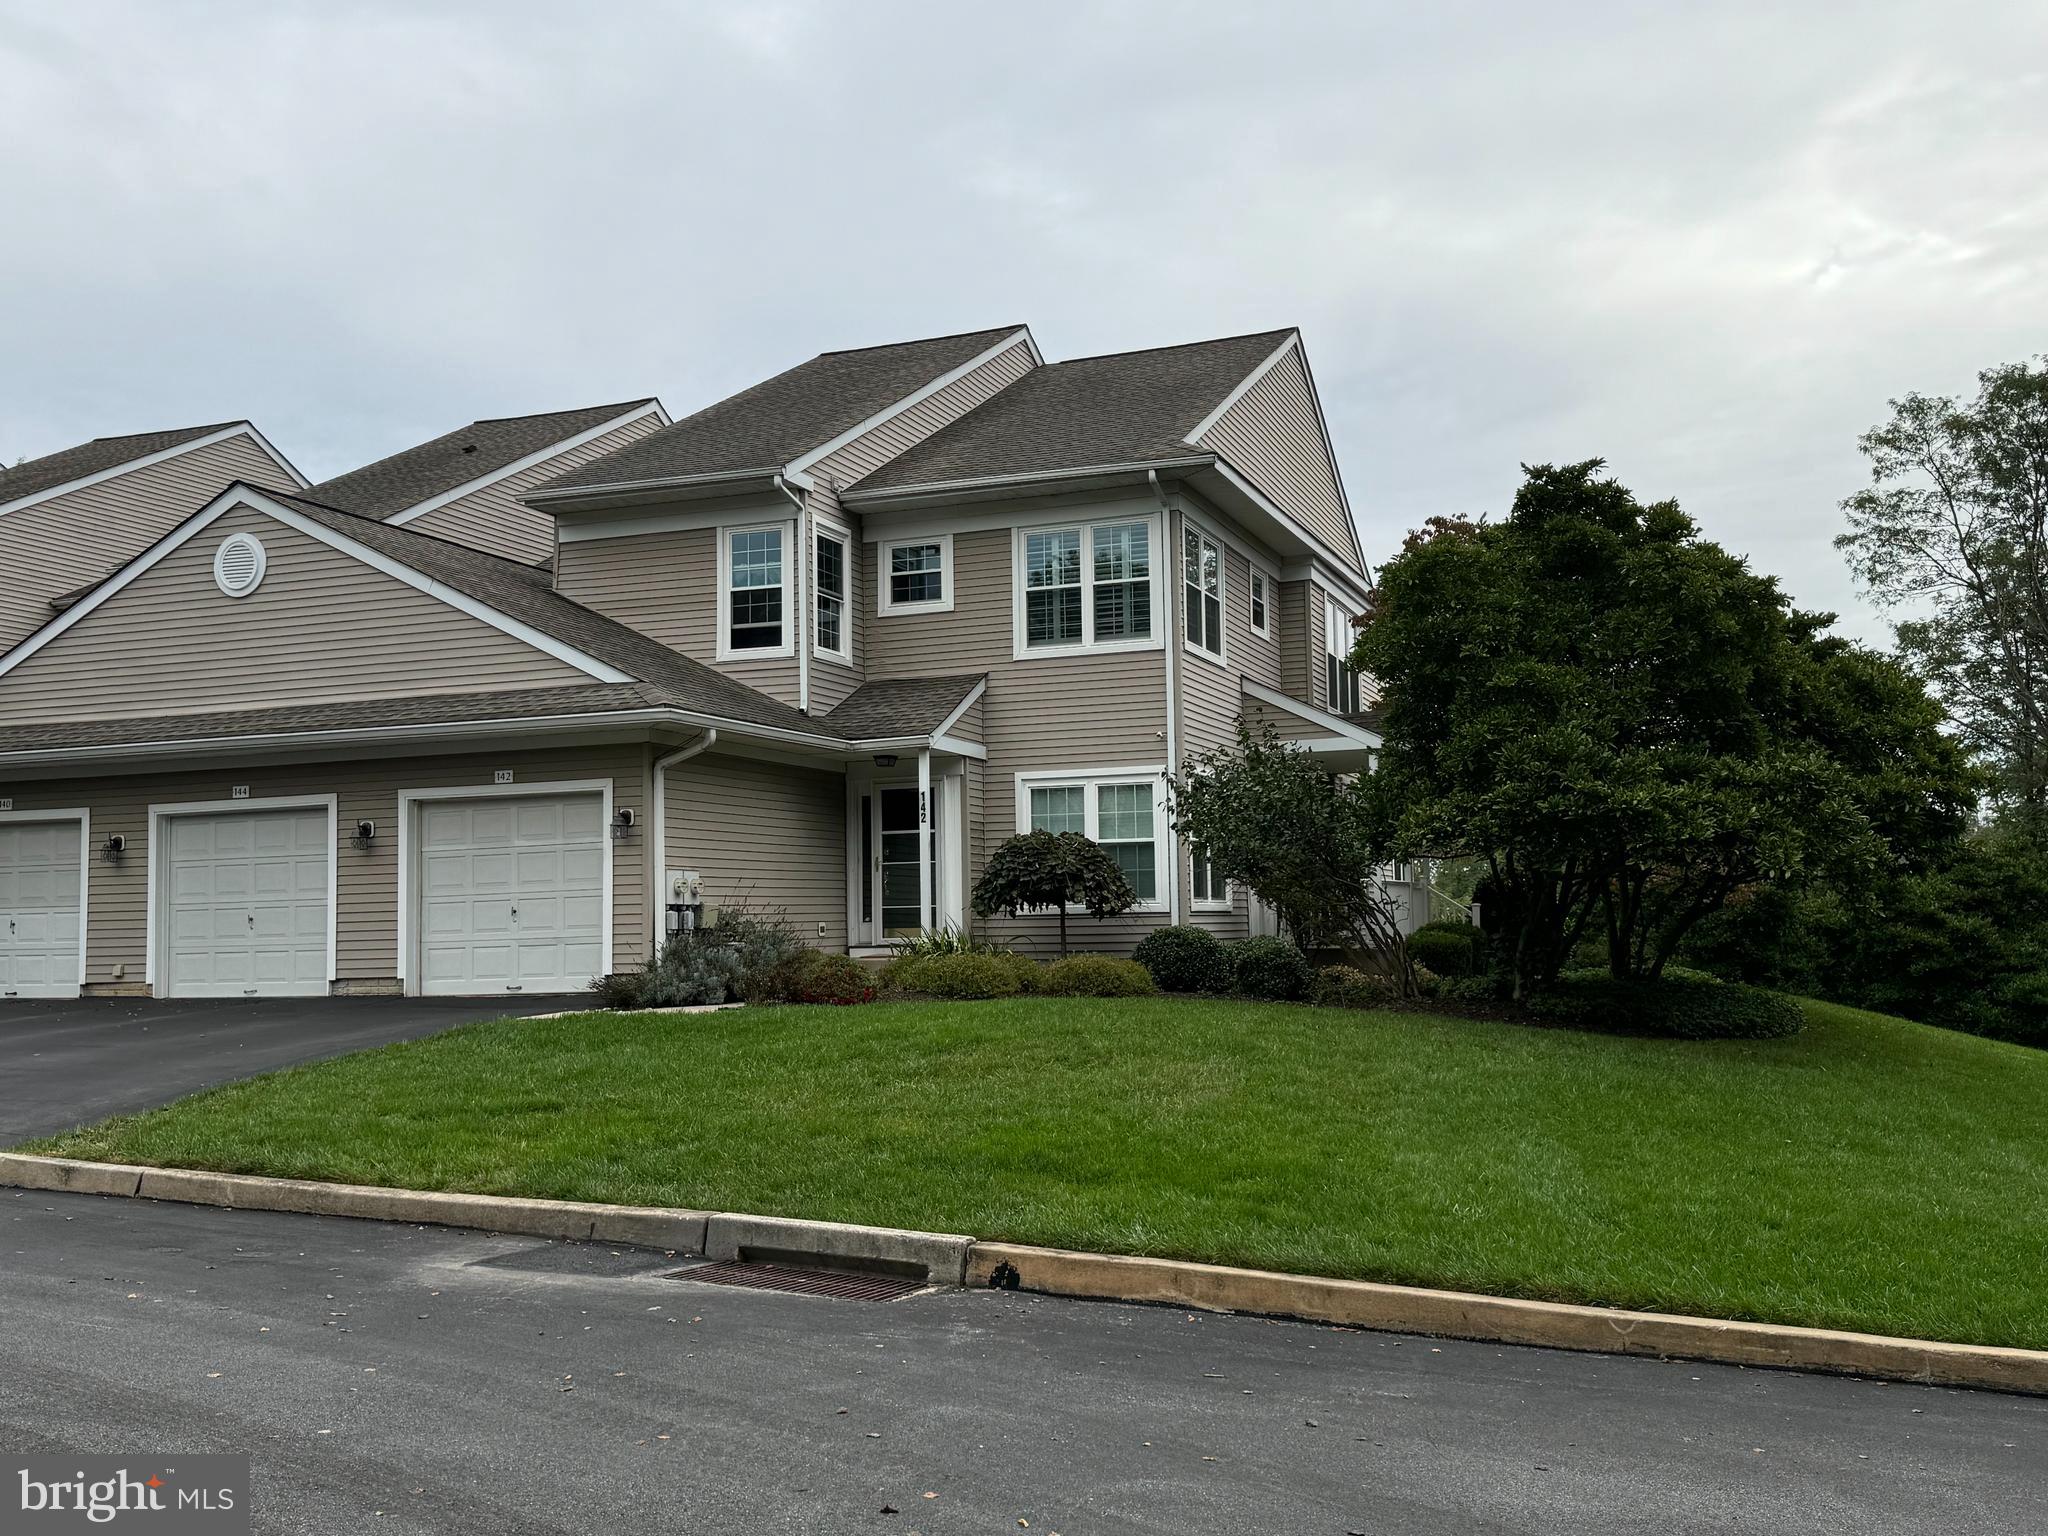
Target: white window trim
784, 651
408, 838
1225, 902
1092, 779
1020, 651
884, 604
85, 851
1337, 619
1202, 531
1258, 573
825, 528
154, 929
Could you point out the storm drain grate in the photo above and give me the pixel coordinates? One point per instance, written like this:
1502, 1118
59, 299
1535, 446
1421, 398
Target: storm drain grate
803, 1279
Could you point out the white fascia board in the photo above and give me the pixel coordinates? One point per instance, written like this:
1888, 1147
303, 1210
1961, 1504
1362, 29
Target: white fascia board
945, 726
1336, 469
243, 495
797, 466
129, 466
538, 456
910, 495
1341, 731
1244, 387
1317, 548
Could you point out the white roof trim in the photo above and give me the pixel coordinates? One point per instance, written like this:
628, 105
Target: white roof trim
797, 466
1318, 550
945, 726
856, 497
241, 495
538, 456
129, 466
1244, 387
1338, 727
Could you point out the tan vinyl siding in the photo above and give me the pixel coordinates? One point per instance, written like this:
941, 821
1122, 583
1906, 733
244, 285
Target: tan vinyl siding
367, 880
765, 833
1273, 434
57, 546
871, 450
1300, 636
494, 519
666, 586
323, 625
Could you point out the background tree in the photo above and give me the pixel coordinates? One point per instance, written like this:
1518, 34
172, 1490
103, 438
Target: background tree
1308, 843
1954, 529
1630, 726
1036, 870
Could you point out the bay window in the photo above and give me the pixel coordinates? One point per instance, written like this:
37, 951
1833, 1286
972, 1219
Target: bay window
1088, 586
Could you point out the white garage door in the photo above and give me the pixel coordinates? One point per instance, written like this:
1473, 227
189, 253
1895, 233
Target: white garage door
40, 911
511, 894
245, 898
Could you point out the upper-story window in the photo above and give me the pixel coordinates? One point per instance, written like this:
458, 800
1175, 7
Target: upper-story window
1260, 595
1088, 586
1340, 677
833, 637
1202, 558
917, 574
754, 583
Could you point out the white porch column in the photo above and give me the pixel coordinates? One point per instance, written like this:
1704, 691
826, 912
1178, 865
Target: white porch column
924, 839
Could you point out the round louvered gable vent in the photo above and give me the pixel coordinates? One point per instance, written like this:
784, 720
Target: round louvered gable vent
238, 564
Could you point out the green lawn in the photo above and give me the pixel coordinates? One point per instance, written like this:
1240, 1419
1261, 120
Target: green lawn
1869, 1173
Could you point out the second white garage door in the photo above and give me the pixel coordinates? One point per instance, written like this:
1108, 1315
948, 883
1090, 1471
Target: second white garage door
511, 894
246, 899
41, 913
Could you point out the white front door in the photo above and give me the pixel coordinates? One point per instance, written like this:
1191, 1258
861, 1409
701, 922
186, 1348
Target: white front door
511, 894
41, 913
246, 904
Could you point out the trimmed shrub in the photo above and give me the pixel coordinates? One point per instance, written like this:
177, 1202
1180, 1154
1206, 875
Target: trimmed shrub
1449, 949
1029, 973
959, 976
1471, 989
1096, 976
1186, 959
1271, 968
817, 977
1346, 986
1684, 1007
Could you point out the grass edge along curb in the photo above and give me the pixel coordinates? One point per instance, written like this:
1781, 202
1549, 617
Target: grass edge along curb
953, 1259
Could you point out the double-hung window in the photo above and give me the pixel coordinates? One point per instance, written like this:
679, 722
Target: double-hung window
754, 569
1260, 595
830, 579
1340, 677
1085, 586
1126, 816
917, 574
1205, 886
1202, 562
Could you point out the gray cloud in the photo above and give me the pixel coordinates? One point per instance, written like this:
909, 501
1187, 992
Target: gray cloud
1705, 242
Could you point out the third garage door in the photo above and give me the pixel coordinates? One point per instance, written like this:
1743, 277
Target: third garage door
511, 894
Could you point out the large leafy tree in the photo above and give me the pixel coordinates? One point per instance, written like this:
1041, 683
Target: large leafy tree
1952, 532
1629, 726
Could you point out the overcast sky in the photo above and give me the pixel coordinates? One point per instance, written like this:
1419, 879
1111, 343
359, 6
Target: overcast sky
1705, 242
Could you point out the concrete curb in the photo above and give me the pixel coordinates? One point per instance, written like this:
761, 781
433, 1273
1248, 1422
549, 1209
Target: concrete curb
951, 1259
1505, 1320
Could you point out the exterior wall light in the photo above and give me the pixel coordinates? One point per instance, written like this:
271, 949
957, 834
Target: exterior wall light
364, 834
885, 759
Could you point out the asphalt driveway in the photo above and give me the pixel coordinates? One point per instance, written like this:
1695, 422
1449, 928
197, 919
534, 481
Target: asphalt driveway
68, 1063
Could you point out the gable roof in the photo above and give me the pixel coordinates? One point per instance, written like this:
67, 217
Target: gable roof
405, 479
777, 421
103, 456
902, 706
1124, 408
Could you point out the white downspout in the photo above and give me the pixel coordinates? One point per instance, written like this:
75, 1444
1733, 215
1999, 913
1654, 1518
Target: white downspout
659, 798
1172, 637
800, 610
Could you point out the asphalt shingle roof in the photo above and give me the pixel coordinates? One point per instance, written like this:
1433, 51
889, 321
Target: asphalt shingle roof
68, 464
781, 419
406, 479
1124, 408
902, 706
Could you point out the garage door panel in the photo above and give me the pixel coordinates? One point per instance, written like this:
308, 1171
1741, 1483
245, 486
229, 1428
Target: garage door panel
248, 903
41, 911
512, 894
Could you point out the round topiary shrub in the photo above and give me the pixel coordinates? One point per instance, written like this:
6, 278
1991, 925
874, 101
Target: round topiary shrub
1684, 1007
1271, 968
1186, 959
1449, 949
1346, 986
1096, 976
960, 976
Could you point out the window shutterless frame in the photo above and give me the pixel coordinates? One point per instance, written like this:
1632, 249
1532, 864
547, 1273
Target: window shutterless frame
832, 582
1259, 602
1202, 597
1122, 809
755, 583
1340, 677
1087, 585
914, 575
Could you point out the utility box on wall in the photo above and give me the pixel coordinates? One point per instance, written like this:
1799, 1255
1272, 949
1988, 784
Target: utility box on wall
683, 898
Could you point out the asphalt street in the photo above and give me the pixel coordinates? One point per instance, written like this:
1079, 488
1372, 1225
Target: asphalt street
69, 1063
409, 1379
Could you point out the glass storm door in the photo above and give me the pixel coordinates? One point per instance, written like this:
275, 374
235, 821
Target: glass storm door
897, 841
